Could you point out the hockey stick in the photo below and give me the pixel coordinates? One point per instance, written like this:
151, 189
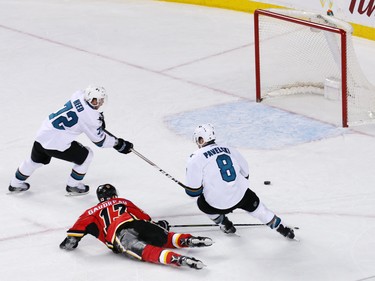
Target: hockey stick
212, 224
153, 164
109, 133
158, 168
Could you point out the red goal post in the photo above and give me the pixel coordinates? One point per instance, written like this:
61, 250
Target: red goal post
298, 52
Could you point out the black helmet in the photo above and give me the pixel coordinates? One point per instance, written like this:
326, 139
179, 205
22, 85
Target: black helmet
106, 192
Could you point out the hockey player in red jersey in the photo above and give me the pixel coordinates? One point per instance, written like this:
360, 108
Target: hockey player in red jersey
126, 229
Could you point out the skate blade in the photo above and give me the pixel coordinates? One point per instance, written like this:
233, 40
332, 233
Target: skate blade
201, 266
15, 192
71, 194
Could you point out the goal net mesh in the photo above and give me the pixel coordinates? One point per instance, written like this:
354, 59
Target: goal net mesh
297, 59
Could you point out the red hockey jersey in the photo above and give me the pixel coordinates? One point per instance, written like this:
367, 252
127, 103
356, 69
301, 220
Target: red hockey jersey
103, 219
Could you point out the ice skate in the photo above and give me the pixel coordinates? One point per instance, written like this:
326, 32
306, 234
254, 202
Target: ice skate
286, 231
81, 189
190, 262
24, 186
227, 226
197, 241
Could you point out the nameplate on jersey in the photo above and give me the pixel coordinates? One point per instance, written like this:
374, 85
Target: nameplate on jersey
215, 151
78, 105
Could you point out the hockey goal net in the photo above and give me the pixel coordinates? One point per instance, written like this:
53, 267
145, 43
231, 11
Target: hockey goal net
304, 54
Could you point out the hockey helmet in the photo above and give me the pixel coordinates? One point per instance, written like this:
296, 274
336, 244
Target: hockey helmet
203, 134
105, 192
96, 96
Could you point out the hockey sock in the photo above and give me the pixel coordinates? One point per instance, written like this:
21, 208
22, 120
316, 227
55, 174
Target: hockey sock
158, 255
79, 171
262, 213
177, 240
25, 170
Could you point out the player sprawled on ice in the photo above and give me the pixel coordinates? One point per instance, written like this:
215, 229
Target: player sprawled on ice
56, 138
128, 230
219, 176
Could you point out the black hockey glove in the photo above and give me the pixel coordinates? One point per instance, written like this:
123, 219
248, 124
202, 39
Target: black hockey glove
123, 146
101, 118
69, 243
164, 224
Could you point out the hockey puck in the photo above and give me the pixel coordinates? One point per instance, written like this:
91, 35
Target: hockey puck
267, 182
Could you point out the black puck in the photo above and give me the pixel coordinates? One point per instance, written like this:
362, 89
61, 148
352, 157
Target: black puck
267, 182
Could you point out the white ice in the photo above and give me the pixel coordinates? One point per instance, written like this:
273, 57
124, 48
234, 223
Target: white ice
157, 61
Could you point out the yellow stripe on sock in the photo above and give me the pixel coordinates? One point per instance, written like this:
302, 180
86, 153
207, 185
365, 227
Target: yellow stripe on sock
163, 256
175, 240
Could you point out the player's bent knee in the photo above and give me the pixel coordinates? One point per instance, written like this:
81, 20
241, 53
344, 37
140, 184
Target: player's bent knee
90, 155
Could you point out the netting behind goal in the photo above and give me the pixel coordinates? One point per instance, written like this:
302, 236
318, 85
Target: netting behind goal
303, 53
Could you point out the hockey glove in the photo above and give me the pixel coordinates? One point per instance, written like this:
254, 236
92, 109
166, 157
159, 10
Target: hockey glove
164, 224
101, 118
123, 146
69, 243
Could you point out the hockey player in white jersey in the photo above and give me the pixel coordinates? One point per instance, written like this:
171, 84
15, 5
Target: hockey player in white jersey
56, 138
218, 175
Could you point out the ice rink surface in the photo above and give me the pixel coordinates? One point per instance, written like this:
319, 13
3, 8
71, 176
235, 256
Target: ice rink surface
168, 67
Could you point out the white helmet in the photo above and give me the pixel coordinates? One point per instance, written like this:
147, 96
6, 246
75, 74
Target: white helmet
203, 134
96, 96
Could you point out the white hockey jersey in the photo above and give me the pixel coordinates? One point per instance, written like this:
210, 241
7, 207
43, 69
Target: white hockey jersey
62, 127
221, 170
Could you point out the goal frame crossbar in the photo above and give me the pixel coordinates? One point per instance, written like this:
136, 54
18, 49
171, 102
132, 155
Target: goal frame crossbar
343, 57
